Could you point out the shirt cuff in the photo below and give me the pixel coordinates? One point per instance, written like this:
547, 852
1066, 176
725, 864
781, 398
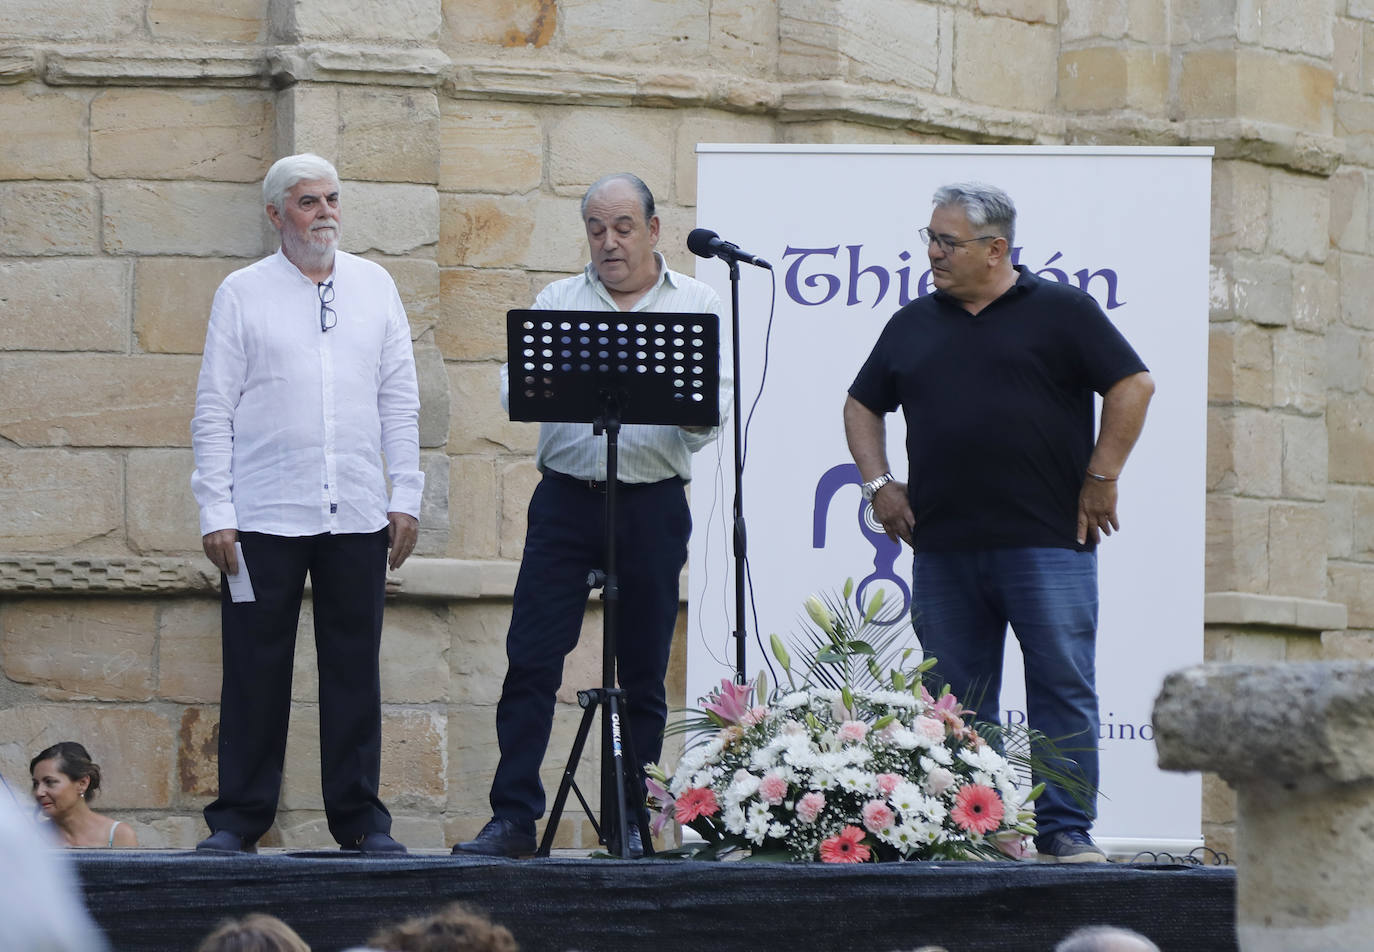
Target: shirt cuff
219, 516
405, 500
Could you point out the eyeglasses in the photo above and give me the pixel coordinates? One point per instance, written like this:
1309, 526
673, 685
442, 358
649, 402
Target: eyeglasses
328, 317
946, 243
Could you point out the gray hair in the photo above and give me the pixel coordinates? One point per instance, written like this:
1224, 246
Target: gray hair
1101, 939
286, 172
646, 197
985, 205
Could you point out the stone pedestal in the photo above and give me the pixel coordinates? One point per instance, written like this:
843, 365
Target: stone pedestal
1296, 742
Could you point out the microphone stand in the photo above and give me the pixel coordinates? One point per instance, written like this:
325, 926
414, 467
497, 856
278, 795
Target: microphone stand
741, 539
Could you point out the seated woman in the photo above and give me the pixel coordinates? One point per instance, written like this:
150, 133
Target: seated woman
65, 780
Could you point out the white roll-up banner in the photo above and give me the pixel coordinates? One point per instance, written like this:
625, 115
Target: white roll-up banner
839, 225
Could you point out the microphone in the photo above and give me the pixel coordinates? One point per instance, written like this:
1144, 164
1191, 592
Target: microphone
705, 243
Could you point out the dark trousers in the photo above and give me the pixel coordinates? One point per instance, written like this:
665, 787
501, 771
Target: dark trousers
564, 541
348, 576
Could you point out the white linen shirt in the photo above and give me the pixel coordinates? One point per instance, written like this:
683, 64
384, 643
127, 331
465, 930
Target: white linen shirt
645, 453
291, 422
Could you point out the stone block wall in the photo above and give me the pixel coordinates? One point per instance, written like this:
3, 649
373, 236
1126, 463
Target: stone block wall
466, 131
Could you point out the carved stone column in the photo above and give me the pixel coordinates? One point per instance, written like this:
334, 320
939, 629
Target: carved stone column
1296, 741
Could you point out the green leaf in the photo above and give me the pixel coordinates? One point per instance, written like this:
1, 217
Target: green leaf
874, 670
829, 656
860, 647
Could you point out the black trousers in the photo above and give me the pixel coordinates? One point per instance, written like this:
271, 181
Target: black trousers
564, 540
348, 576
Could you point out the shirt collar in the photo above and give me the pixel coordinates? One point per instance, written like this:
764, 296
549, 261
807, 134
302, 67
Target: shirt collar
284, 262
665, 275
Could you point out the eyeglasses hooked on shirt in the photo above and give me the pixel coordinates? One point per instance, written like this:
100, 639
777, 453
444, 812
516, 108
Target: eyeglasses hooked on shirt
328, 316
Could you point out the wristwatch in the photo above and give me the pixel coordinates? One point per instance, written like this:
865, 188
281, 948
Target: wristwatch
870, 488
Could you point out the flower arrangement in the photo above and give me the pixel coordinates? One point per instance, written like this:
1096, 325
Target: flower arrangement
842, 772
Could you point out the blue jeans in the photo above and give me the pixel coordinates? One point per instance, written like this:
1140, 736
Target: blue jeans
962, 603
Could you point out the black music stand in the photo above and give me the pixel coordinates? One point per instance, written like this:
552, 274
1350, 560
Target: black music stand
608, 369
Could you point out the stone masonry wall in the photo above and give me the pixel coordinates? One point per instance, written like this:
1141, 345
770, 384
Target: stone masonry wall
136, 135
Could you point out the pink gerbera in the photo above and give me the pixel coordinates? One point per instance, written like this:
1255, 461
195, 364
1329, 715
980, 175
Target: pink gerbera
845, 847
698, 801
977, 808
877, 816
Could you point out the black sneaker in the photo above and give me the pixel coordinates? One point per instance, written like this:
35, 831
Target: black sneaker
1071, 846
499, 838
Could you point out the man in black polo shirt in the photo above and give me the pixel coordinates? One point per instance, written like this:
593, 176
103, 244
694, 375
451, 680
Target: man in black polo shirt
995, 374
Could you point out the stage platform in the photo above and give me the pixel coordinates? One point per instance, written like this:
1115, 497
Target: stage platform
164, 901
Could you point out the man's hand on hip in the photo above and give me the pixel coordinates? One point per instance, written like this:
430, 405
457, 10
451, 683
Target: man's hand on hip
1096, 509
402, 534
219, 549
892, 508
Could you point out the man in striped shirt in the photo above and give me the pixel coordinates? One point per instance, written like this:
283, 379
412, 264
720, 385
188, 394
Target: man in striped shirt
565, 536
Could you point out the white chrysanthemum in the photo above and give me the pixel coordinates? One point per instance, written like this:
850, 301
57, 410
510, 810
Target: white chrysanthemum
857, 781
984, 758
734, 819
762, 758
905, 739
856, 754
756, 829
906, 798
742, 785
833, 761
940, 754
801, 754
899, 699
777, 830
904, 836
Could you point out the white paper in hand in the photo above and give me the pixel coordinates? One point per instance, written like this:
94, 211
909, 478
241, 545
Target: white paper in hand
240, 586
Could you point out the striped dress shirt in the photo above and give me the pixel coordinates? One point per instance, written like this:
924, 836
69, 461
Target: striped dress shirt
646, 454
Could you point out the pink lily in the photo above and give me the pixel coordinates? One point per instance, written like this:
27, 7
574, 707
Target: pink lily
659, 794
731, 702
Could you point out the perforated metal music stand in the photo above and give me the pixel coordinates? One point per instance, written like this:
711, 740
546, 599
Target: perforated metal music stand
606, 369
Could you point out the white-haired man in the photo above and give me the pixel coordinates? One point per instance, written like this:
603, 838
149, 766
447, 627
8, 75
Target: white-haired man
308, 379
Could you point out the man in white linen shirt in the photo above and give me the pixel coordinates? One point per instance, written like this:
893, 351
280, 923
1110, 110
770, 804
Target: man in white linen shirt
566, 528
308, 378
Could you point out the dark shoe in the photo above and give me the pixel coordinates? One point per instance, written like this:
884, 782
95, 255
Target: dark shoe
370, 843
1072, 846
499, 838
226, 841
636, 850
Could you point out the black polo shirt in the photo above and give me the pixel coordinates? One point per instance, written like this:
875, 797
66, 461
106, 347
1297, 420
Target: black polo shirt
999, 410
